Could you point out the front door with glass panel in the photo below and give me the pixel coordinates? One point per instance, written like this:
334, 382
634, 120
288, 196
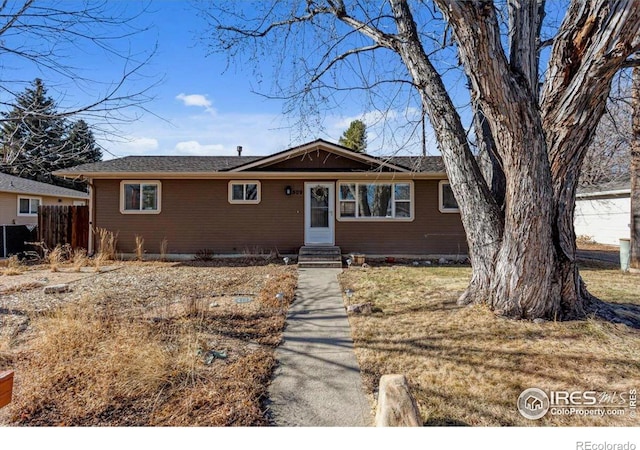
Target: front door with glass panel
319, 201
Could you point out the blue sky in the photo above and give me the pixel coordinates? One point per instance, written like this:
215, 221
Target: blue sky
199, 105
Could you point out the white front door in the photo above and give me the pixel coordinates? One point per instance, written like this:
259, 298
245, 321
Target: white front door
319, 205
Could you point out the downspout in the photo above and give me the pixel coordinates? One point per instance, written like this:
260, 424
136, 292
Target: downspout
92, 191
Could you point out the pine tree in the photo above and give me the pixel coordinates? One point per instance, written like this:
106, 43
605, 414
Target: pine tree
355, 137
81, 145
31, 134
36, 140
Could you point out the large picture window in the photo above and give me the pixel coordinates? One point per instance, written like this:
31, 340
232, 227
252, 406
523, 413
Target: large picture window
140, 197
447, 202
244, 192
28, 206
375, 201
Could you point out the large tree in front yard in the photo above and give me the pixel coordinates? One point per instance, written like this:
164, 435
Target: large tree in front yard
535, 124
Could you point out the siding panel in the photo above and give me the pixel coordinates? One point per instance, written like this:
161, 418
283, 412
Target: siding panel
196, 215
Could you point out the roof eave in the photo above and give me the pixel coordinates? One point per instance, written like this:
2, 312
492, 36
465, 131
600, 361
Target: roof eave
613, 192
262, 175
46, 194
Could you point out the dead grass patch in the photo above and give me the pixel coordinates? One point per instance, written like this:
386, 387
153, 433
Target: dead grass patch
467, 367
131, 348
13, 266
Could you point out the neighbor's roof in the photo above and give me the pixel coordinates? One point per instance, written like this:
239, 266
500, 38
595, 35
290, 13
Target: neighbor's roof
10, 183
618, 187
208, 164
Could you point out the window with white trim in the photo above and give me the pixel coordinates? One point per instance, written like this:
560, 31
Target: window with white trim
375, 201
140, 197
28, 206
447, 202
247, 192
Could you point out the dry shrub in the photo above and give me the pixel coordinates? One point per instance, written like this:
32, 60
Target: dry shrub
139, 248
55, 258
205, 254
106, 251
164, 245
79, 259
107, 242
584, 239
13, 266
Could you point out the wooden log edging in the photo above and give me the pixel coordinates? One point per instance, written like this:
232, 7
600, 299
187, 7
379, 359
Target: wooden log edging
396, 406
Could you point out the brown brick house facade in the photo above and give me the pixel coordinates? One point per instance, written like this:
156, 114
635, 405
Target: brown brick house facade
318, 194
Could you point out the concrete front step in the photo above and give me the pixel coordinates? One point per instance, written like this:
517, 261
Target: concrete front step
319, 250
320, 257
319, 264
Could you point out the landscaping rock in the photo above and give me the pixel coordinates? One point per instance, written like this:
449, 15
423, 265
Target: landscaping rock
361, 308
396, 405
56, 289
539, 320
443, 261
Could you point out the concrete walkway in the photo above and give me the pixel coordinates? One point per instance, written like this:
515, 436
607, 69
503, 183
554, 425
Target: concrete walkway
317, 382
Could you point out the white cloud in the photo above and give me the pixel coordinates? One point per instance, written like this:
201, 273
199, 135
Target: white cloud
195, 148
139, 145
195, 100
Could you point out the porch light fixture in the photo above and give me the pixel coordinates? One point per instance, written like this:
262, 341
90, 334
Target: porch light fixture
287, 190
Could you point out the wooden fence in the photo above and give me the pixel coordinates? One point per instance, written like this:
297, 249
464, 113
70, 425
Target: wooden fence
58, 224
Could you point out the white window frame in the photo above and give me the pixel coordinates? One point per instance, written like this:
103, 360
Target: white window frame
244, 183
157, 183
411, 201
441, 207
79, 203
29, 214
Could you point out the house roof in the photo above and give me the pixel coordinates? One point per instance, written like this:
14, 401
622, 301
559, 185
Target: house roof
159, 164
10, 183
132, 165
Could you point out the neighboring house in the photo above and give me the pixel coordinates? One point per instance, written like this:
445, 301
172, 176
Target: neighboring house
603, 212
316, 194
20, 198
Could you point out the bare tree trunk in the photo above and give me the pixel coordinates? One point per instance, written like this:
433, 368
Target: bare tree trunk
635, 171
520, 235
481, 215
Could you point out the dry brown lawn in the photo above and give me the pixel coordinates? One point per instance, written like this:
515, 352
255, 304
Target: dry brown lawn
144, 344
467, 367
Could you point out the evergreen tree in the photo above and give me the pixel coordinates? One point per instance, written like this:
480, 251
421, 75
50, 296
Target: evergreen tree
36, 140
81, 145
355, 137
32, 131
